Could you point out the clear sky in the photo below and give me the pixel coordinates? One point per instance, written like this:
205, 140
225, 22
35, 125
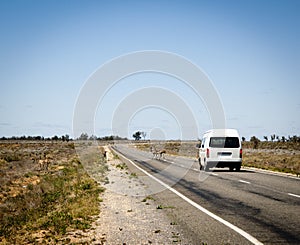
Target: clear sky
249, 49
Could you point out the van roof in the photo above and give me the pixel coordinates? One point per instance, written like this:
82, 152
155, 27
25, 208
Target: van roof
222, 132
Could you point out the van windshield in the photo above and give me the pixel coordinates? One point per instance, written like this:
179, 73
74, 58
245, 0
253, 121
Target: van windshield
224, 142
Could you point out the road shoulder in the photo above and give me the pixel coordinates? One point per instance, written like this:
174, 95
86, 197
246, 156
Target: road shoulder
128, 215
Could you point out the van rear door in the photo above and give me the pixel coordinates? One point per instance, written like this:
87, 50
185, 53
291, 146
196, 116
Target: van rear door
224, 148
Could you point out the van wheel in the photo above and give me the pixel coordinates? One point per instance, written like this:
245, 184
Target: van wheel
231, 168
238, 167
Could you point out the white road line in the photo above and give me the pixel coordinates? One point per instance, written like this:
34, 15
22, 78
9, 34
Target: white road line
214, 174
244, 181
196, 205
269, 172
293, 195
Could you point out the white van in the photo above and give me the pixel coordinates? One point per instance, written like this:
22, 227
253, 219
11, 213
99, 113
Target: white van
220, 148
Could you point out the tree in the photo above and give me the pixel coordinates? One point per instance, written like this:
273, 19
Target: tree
83, 136
137, 135
255, 142
55, 137
243, 139
266, 138
294, 139
65, 137
283, 139
143, 135
93, 137
273, 136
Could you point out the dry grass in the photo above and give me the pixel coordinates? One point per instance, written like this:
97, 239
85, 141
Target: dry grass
290, 146
276, 156
42, 206
281, 161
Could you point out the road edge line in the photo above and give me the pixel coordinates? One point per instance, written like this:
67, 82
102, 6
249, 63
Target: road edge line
196, 205
293, 195
274, 173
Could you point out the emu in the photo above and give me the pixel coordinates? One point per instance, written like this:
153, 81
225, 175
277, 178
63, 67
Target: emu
158, 154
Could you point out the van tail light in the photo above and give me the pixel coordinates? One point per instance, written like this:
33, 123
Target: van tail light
207, 153
241, 153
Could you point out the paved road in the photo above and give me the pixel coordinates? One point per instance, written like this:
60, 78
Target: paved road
264, 205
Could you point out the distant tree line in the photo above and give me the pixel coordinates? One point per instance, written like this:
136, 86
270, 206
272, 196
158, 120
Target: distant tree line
273, 139
83, 136
276, 138
24, 137
140, 134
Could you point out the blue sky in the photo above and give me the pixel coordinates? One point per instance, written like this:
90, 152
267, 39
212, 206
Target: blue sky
249, 49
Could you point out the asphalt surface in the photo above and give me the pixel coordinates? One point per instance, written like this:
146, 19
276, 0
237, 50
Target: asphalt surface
264, 205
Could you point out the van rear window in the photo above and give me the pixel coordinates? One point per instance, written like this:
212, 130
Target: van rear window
224, 142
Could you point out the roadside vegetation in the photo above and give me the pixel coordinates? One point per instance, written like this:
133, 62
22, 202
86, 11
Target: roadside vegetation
43, 204
281, 154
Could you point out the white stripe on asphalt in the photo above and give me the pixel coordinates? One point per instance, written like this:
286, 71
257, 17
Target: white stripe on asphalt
244, 181
196, 205
293, 195
269, 172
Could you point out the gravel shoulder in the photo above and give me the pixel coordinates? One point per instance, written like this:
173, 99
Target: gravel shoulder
128, 215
